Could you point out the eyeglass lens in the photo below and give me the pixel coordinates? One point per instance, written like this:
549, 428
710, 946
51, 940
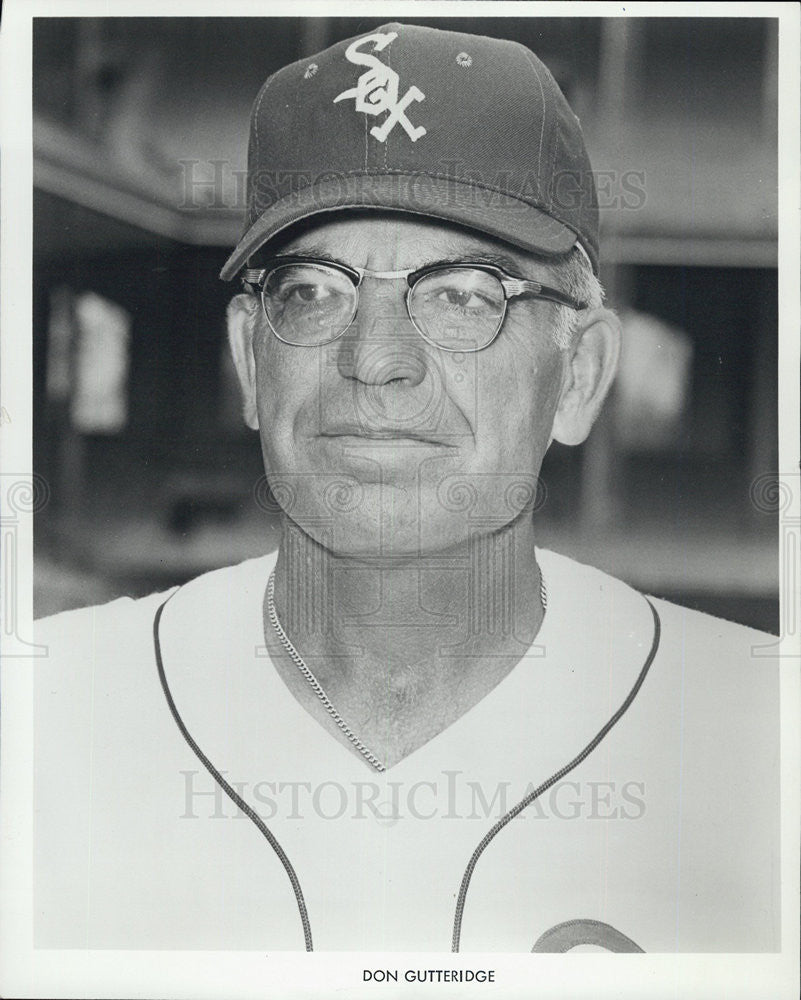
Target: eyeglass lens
308, 304
457, 308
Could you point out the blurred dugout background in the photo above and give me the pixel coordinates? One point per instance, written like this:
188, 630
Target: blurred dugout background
140, 132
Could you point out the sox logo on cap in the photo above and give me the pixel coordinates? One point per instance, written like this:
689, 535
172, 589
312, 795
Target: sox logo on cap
376, 89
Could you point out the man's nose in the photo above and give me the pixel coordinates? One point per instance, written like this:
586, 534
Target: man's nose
382, 347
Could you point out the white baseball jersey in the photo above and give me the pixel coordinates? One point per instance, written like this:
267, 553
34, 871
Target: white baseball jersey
664, 838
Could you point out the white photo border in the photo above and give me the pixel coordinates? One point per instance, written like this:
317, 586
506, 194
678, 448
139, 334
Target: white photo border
29, 972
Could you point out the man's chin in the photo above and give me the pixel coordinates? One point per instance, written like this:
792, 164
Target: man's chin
404, 519
382, 532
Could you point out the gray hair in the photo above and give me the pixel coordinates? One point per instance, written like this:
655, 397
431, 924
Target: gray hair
576, 278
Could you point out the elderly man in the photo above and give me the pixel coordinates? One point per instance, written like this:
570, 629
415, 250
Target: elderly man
424, 731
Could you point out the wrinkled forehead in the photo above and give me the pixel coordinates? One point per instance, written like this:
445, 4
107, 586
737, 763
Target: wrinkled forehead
357, 236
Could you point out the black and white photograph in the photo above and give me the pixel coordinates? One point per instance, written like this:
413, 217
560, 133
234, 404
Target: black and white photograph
406, 568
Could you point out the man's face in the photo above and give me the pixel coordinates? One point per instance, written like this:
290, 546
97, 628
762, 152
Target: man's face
380, 444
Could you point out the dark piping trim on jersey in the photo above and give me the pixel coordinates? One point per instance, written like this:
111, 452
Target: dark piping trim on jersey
235, 798
488, 837
516, 810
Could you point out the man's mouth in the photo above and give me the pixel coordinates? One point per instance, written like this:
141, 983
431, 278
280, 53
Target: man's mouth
364, 432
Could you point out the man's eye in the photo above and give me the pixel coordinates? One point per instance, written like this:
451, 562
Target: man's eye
462, 298
309, 293
465, 298
472, 291
317, 293
303, 286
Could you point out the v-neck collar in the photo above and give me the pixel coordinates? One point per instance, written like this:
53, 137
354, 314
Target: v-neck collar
593, 640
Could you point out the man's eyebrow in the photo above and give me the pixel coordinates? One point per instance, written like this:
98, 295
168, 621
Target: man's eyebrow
310, 250
479, 255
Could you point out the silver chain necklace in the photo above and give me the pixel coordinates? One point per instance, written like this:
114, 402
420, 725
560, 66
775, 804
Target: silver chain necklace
315, 685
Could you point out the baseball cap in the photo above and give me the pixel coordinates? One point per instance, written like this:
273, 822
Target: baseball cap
464, 128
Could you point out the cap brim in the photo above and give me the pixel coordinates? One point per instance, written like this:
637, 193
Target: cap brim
491, 212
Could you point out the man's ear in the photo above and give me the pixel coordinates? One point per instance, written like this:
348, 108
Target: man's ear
589, 371
241, 317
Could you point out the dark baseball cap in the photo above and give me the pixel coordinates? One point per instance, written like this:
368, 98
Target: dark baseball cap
464, 128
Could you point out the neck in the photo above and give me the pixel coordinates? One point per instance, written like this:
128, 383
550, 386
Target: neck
410, 621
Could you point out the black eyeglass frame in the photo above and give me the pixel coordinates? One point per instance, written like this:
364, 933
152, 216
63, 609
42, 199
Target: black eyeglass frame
254, 279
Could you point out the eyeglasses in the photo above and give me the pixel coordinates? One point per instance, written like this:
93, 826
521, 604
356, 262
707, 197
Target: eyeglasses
457, 307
